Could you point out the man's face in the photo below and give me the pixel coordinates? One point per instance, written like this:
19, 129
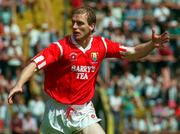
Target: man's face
81, 28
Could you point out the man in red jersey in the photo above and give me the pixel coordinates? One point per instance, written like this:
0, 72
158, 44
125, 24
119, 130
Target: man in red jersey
71, 66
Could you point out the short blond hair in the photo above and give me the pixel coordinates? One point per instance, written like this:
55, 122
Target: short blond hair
91, 16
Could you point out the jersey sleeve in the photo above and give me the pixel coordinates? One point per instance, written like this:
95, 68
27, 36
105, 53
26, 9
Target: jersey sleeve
48, 55
113, 49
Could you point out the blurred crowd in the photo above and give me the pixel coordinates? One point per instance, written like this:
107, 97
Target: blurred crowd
144, 96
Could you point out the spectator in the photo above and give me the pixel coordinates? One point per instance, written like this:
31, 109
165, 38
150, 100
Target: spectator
44, 36
19, 106
6, 15
15, 54
172, 124
132, 13
108, 20
16, 124
36, 106
162, 14
142, 125
142, 81
34, 37
117, 36
3, 114
152, 92
29, 124
158, 108
54, 35
148, 13
116, 104
129, 107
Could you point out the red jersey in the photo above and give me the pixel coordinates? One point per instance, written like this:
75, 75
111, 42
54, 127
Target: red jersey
71, 70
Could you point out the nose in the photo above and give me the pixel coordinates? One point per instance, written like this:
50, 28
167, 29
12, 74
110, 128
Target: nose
75, 26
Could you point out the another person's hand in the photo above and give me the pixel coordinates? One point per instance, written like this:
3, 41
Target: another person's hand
160, 40
13, 92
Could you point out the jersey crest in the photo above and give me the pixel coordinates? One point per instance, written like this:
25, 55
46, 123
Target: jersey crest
73, 56
94, 56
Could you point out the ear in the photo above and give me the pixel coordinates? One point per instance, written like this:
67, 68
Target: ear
92, 27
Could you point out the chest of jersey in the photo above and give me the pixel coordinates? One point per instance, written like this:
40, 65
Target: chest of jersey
83, 62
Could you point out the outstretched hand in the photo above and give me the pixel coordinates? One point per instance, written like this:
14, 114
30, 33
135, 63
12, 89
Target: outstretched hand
12, 93
160, 40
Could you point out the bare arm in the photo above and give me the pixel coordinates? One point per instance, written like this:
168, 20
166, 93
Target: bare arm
27, 72
142, 50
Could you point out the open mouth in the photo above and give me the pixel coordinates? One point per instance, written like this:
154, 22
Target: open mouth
76, 33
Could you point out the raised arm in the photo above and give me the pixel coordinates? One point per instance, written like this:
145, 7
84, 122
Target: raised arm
26, 73
142, 50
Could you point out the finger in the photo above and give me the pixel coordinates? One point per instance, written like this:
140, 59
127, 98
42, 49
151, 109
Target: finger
165, 34
10, 101
163, 42
153, 32
165, 39
10, 97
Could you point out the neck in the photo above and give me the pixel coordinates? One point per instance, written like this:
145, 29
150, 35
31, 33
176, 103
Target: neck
84, 42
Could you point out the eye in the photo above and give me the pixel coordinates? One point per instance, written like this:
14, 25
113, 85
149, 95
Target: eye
79, 23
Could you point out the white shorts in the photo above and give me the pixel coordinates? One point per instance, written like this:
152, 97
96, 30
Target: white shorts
67, 119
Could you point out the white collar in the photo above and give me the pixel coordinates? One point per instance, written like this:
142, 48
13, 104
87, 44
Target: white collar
79, 46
